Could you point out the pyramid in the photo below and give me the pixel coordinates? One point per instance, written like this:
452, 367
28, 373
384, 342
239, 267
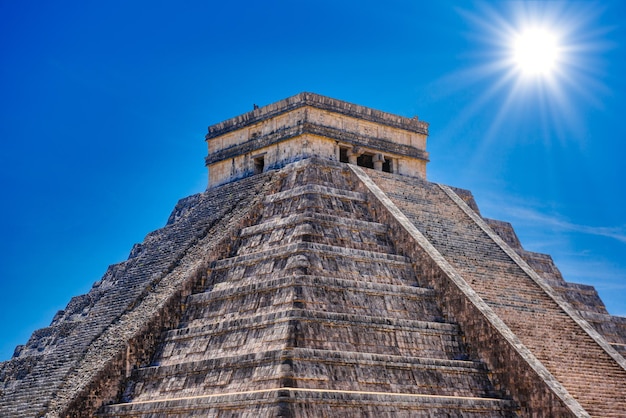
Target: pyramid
321, 274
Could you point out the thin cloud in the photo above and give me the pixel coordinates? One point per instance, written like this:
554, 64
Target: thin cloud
542, 220
554, 235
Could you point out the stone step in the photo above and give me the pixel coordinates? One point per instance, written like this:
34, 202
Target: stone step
314, 258
328, 191
315, 403
310, 171
289, 250
320, 218
316, 198
330, 282
314, 227
310, 329
357, 371
316, 293
313, 369
404, 276
343, 319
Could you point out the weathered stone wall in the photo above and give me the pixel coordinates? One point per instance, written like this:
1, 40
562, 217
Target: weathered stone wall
274, 156
277, 131
262, 128
319, 102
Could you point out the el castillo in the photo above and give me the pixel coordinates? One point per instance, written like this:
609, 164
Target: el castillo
321, 274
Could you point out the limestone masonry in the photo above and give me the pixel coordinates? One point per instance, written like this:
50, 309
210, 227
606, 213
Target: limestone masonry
309, 125
321, 274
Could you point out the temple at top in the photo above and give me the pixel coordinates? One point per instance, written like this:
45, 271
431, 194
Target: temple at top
307, 125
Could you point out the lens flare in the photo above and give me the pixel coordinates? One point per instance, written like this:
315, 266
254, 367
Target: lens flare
535, 51
527, 63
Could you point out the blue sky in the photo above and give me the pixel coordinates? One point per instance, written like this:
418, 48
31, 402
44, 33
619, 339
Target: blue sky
104, 107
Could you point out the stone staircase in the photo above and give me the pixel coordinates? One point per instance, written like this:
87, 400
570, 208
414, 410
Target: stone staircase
313, 313
586, 370
583, 298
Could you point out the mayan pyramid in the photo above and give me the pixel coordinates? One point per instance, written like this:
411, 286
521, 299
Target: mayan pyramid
322, 275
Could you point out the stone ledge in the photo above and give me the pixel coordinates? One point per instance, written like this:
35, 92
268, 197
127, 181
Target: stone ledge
290, 250
316, 217
398, 401
264, 320
320, 102
312, 281
236, 361
315, 189
330, 356
307, 355
288, 133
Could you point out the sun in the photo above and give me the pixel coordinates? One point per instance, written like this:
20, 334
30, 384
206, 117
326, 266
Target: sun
531, 64
536, 51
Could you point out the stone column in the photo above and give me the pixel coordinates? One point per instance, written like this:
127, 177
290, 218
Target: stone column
353, 154
378, 162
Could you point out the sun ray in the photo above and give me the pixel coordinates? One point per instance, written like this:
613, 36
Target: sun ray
535, 59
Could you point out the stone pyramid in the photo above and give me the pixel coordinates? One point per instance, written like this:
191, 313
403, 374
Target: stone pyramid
321, 274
